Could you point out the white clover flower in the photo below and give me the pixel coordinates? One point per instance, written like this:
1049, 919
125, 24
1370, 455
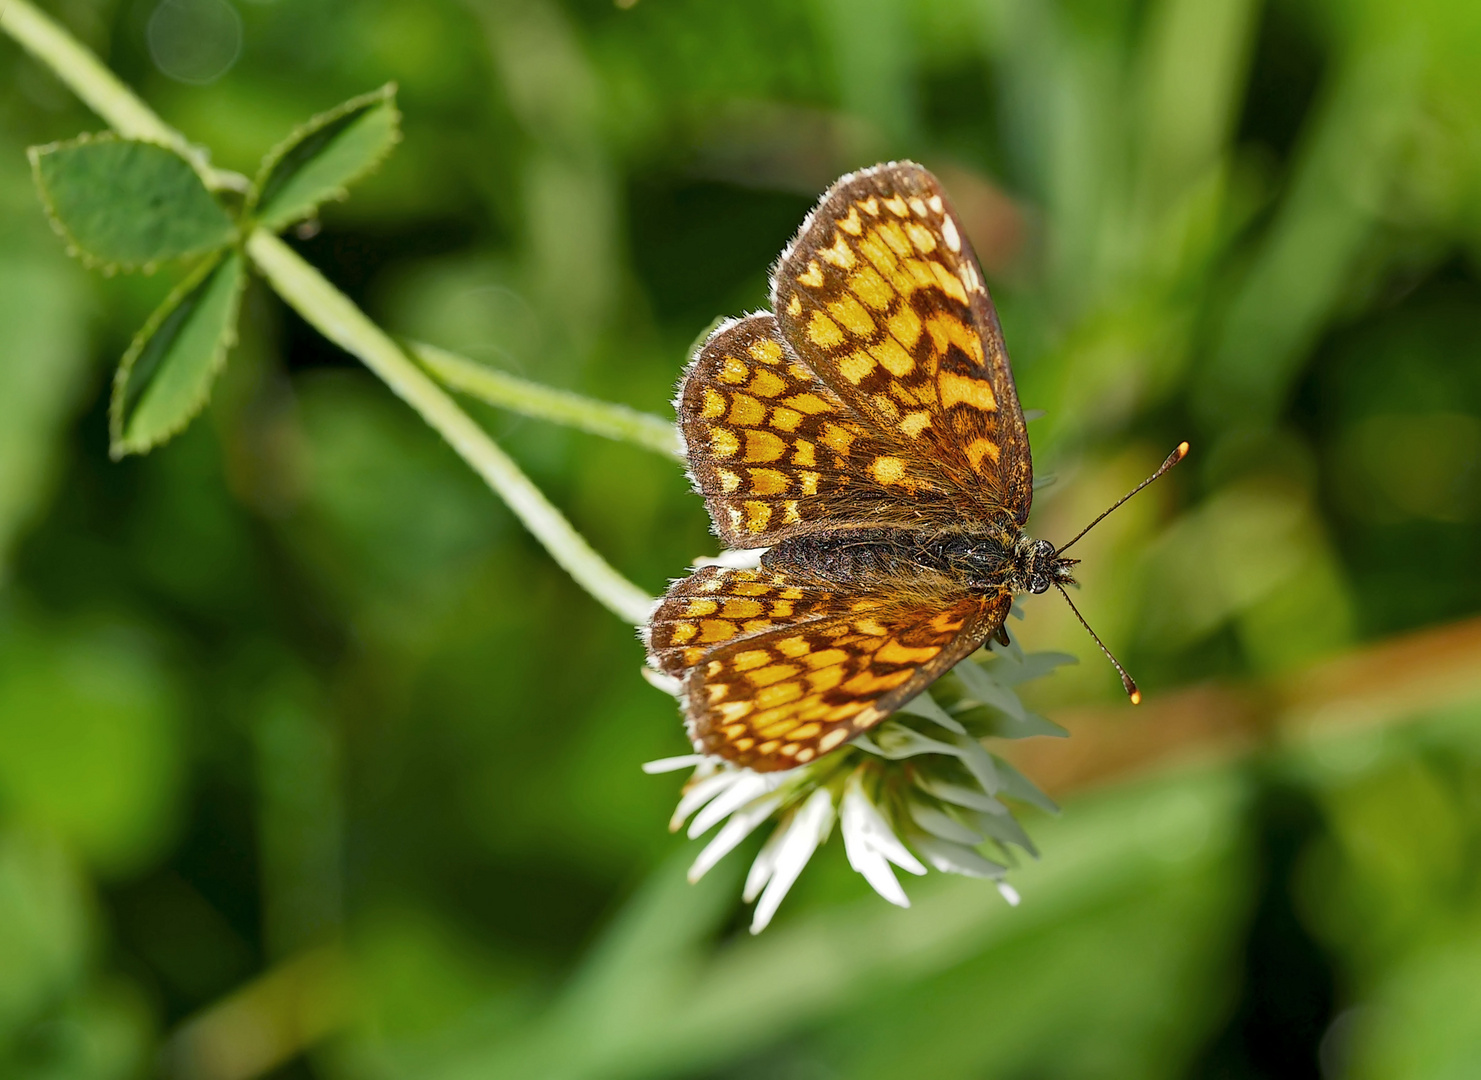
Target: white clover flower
920, 791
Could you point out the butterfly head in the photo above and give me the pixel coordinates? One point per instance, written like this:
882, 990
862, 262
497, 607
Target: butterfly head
1037, 567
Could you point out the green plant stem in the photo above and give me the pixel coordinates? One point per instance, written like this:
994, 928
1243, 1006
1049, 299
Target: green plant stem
331, 313
546, 403
101, 90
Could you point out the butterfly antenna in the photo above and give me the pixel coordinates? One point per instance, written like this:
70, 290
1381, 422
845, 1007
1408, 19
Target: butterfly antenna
1127, 682
1172, 459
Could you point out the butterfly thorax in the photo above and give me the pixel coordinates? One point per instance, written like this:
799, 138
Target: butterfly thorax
982, 559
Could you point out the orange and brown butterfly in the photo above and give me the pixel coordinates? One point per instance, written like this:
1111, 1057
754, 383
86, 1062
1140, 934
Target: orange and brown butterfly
869, 437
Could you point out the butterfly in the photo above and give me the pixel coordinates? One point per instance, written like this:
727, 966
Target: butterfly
867, 434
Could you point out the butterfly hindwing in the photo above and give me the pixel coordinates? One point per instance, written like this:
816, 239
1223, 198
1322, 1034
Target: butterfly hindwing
775, 452
715, 605
780, 695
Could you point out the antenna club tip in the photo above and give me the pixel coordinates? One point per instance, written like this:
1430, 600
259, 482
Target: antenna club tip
1136, 696
1182, 450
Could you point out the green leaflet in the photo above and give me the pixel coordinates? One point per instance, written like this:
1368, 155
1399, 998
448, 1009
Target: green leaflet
165, 377
122, 203
322, 158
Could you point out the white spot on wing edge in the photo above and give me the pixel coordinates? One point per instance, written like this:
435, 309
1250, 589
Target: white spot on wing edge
953, 238
967, 271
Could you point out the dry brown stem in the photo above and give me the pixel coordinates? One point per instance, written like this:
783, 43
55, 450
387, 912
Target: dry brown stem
1388, 682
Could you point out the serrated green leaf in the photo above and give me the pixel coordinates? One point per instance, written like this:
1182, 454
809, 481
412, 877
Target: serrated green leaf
320, 160
123, 203
165, 377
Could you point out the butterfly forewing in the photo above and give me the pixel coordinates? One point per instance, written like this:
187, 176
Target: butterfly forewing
882, 298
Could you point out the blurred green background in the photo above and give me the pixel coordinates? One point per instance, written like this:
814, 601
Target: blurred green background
313, 764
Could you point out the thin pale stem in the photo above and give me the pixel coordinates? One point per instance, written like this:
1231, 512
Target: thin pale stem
331, 313
100, 89
546, 403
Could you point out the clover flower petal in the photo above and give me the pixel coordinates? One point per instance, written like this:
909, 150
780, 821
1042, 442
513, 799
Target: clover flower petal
920, 791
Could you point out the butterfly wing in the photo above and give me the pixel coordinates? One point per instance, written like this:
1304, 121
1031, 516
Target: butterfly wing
882, 298
796, 670
879, 396
715, 605
775, 452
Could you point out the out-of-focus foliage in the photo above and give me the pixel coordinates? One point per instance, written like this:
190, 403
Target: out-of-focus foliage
311, 761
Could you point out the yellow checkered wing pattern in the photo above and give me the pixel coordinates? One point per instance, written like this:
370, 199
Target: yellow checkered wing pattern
776, 671
774, 451
881, 297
